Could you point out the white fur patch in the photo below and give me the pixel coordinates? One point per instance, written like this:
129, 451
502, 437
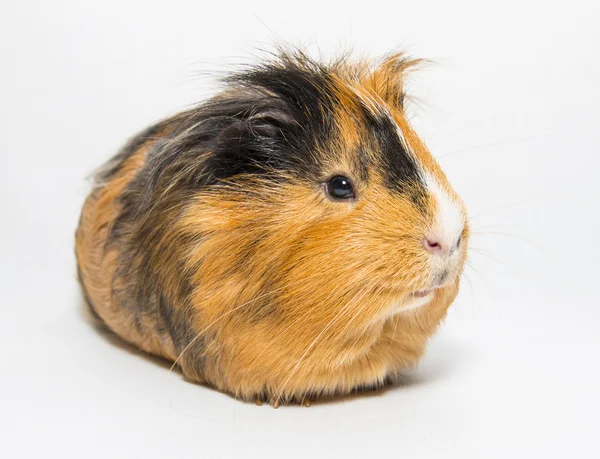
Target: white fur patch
449, 221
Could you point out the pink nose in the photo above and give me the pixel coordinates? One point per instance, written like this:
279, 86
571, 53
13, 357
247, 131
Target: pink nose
433, 245
438, 246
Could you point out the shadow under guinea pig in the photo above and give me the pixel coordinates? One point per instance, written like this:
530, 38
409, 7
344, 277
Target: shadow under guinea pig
443, 357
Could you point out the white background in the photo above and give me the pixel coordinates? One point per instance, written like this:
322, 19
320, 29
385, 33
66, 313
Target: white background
510, 109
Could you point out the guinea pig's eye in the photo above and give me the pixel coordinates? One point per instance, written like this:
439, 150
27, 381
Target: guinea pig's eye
340, 187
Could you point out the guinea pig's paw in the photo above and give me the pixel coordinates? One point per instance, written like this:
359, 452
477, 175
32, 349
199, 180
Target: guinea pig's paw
262, 398
304, 402
276, 403
259, 400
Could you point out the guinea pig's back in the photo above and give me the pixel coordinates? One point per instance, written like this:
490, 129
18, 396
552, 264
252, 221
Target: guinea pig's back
97, 262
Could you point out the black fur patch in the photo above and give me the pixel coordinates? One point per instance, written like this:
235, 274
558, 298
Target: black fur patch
272, 119
396, 164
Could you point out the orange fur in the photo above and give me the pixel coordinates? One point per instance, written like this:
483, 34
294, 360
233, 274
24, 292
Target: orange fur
324, 324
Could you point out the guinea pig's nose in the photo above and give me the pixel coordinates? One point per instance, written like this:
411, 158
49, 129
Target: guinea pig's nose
438, 246
434, 245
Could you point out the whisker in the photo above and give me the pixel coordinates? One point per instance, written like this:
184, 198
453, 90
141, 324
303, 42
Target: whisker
395, 328
418, 320
307, 313
513, 204
344, 310
472, 266
313, 343
483, 146
478, 184
494, 226
485, 254
474, 295
359, 336
353, 346
497, 233
219, 318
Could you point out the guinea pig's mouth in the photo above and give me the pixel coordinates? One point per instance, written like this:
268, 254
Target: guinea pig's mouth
410, 301
423, 293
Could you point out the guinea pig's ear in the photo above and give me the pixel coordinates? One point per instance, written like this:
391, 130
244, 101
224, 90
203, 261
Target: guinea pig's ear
261, 139
388, 78
271, 123
267, 125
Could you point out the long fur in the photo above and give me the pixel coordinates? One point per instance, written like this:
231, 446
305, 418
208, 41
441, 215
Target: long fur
210, 239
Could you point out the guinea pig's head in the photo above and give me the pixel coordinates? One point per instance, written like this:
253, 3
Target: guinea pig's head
320, 204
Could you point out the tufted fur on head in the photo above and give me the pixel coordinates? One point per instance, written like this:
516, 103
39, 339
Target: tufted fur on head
213, 238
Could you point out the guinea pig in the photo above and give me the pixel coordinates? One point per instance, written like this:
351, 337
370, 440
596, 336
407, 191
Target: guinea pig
287, 239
